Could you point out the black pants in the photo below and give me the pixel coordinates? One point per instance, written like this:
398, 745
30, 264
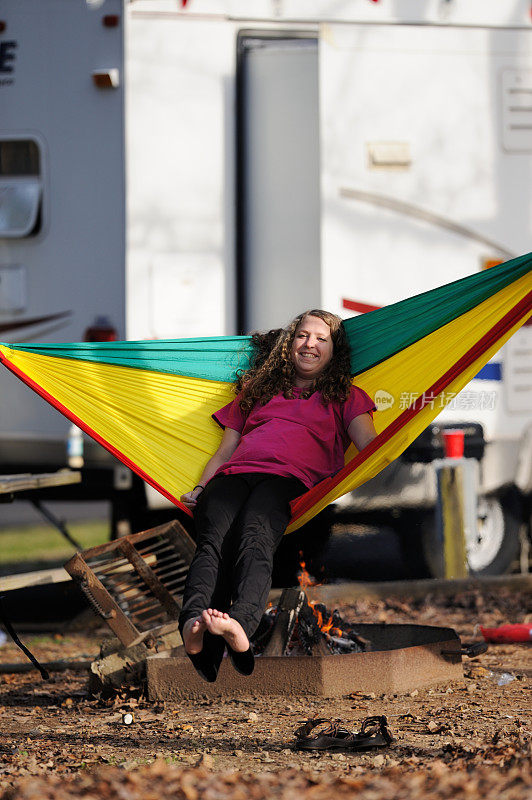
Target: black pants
240, 521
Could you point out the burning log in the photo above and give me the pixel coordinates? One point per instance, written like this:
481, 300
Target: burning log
305, 627
310, 633
288, 610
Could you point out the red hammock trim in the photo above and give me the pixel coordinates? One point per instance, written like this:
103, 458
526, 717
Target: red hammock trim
96, 436
357, 305
301, 505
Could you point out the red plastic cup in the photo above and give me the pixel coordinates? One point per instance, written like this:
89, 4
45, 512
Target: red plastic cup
453, 443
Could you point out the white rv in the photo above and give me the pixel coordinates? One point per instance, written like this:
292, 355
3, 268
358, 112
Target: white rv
213, 166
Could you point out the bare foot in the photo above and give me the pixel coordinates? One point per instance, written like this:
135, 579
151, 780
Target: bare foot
220, 623
193, 631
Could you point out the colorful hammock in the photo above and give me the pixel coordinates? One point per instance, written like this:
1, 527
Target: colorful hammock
150, 402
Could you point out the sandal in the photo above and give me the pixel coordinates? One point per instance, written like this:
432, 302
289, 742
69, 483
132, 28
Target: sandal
374, 732
244, 663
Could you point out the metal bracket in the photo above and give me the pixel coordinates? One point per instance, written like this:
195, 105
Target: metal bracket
470, 650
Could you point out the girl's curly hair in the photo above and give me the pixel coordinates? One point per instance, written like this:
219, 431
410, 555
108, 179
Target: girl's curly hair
272, 370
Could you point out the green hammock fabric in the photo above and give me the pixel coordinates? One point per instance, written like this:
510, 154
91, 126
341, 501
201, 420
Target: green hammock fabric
373, 337
150, 402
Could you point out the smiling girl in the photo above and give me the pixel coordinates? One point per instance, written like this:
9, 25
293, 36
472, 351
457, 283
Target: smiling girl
294, 415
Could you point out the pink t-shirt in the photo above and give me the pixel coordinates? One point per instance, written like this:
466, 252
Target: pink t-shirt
301, 438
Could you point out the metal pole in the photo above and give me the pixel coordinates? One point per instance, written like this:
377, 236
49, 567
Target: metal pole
452, 520
456, 504
57, 523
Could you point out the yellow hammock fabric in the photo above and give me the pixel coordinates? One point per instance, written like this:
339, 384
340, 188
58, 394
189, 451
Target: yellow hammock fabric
148, 403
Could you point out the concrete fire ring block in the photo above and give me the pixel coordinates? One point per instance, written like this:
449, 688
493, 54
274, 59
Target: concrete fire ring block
173, 678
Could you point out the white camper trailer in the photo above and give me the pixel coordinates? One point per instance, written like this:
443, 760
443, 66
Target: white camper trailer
209, 167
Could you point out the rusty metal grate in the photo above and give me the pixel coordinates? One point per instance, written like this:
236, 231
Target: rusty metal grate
135, 583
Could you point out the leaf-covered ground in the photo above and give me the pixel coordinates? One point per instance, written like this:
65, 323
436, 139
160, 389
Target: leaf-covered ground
470, 739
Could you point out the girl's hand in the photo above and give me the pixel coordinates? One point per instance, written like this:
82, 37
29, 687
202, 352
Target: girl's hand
189, 499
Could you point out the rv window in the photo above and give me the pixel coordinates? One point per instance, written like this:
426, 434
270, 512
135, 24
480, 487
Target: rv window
20, 188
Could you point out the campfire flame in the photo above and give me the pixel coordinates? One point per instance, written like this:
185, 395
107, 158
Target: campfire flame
305, 580
304, 577
325, 627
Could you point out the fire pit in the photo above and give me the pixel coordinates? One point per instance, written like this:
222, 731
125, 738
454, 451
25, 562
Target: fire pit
304, 649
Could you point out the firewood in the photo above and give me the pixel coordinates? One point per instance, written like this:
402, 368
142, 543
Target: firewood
287, 614
310, 633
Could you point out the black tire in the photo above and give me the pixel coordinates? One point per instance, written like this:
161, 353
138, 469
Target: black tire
412, 527
498, 544
496, 548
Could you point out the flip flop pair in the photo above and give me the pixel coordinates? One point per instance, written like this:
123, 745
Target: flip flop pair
327, 734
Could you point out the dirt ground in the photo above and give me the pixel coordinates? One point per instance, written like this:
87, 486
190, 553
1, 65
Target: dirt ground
470, 739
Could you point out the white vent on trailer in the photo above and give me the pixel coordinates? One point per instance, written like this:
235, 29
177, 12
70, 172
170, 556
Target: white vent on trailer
517, 110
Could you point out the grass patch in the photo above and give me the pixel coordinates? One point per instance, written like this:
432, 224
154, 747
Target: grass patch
44, 543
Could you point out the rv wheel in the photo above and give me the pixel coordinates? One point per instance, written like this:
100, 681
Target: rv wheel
496, 545
492, 552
